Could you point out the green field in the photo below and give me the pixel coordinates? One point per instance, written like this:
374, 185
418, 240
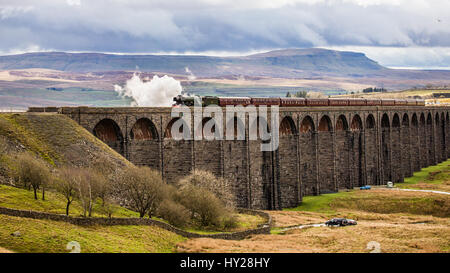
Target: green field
50, 236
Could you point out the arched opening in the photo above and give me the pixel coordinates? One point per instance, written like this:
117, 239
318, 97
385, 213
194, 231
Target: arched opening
183, 130
422, 119
307, 125
406, 147
430, 140
143, 149
423, 141
144, 129
107, 130
341, 123
238, 129
415, 143
438, 137
385, 121
287, 127
370, 122
356, 151
396, 155
371, 146
308, 167
267, 188
255, 128
396, 121
414, 120
429, 119
325, 124
385, 145
287, 156
356, 123
234, 145
205, 132
405, 120
325, 155
342, 153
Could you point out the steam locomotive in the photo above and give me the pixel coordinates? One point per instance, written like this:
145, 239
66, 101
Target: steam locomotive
295, 102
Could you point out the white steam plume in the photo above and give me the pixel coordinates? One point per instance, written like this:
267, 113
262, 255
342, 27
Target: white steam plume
158, 92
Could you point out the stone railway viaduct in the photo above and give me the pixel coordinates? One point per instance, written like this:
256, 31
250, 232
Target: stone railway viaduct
321, 150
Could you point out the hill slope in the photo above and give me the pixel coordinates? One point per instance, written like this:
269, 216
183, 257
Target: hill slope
56, 138
280, 63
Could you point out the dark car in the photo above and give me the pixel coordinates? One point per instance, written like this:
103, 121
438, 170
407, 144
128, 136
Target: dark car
341, 222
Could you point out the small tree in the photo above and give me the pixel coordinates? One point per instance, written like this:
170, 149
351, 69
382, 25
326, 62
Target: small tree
33, 172
89, 187
144, 189
66, 184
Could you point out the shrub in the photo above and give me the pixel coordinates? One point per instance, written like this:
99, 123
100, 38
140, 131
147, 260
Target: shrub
205, 208
143, 189
220, 187
173, 212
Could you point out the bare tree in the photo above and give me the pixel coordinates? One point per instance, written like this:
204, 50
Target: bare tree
33, 172
67, 184
103, 188
87, 189
144, 189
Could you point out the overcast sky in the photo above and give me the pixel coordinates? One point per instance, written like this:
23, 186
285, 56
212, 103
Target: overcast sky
396, 33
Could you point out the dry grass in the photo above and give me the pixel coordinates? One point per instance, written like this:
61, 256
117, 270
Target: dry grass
400, 221
399, 234
291, 218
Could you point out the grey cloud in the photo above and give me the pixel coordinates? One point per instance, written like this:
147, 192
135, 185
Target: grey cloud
219, 25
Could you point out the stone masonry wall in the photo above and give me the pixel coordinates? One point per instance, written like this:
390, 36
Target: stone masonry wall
307, 162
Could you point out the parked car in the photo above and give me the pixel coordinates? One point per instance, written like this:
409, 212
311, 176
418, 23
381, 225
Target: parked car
367, 187
341, 222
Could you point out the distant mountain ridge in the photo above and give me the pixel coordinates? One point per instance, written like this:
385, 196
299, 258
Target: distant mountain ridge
286, 63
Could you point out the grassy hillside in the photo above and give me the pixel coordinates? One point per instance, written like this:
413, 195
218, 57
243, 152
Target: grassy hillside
315, 59
50, 236
55, 138
60, 141
17, 198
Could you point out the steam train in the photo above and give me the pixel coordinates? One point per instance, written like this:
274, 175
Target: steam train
295, 102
